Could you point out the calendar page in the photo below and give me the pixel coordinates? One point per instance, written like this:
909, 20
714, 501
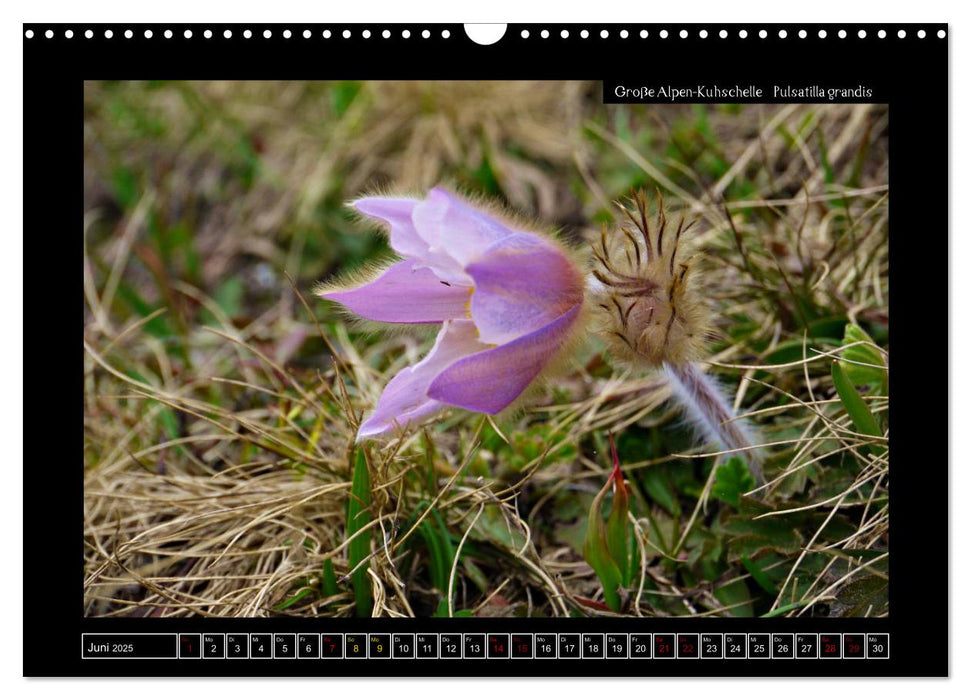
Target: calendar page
534, 349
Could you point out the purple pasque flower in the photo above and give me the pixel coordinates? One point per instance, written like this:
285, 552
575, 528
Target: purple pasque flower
508, 300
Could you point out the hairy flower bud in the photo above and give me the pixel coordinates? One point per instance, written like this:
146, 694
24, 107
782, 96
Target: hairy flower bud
651, 312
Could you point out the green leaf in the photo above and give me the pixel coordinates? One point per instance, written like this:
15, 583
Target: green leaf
493, 527
657, 482
597, 553
765, 583
864, 597
754, 537
732, 479
827, 327
857, 409
863, 363
358, 517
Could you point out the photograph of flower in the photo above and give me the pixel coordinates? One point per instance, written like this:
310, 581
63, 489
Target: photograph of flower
482, 349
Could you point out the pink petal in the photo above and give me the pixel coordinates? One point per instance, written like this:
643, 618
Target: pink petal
456, 229
489, 381
522, 283
411, 239
405, 398
405, 294
396, 212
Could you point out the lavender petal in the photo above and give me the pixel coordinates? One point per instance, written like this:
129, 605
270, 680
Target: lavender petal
405, 398
405, 294
490, 380
456, 229
522, 283
396, 213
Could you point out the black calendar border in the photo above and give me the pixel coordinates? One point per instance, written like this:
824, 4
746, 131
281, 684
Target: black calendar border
54, 71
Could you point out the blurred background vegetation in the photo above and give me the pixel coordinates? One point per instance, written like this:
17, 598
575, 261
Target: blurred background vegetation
221, 399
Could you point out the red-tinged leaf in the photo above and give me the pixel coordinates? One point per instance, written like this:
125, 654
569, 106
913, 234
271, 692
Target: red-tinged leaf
618, 528
597, 554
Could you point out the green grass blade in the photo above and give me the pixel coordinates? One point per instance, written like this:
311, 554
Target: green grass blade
294, 599
786, 608
436, 558
358, 517
328, 583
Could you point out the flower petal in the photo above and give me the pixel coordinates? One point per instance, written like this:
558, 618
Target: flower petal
489, 381
522, 283
415, 239
405, 399
452, 227
396, 212
405, 294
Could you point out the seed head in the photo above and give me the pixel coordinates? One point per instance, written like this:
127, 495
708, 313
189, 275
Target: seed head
651, 311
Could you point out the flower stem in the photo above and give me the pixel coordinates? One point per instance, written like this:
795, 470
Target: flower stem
706, 407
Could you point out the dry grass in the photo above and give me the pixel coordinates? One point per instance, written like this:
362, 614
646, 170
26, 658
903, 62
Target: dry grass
220, 410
